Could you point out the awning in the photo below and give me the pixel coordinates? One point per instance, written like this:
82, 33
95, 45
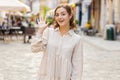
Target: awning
13, 5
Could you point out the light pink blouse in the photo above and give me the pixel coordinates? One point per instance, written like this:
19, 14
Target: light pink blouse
63, 56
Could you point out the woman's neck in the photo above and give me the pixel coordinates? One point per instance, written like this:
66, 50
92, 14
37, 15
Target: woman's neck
64, 30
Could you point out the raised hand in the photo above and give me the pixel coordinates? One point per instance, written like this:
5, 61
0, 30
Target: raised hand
42, 24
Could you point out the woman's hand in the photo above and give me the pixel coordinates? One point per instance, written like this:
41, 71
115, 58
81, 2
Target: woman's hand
42, 24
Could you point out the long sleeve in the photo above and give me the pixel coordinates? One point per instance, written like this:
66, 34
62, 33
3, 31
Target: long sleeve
77, 61
39, 43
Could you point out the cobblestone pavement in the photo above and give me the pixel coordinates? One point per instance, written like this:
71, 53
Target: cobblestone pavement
17, 62
100, 64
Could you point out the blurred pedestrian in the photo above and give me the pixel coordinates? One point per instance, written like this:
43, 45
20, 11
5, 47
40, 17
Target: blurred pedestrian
4, 27
62, 47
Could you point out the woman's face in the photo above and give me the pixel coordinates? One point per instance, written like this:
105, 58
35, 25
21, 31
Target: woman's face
62, 17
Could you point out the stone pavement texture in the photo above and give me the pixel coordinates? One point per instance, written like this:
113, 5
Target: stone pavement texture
17, 62
100, 64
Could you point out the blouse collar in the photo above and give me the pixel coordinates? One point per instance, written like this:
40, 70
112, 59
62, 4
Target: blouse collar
70, 32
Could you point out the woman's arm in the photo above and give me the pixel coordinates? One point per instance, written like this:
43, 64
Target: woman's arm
39, 43
77, 61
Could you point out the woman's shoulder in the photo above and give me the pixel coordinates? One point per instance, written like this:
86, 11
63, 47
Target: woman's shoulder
77, 37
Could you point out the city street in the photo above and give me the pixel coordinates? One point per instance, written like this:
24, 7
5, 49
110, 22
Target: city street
100, 64
97, 21
17, 62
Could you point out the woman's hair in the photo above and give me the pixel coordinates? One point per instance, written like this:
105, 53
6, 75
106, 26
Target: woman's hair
69, 11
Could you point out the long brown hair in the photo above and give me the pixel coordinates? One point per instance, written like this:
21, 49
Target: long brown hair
69, 11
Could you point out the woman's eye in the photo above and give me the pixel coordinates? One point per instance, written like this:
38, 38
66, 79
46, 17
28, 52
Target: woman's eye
56, 15
63, 14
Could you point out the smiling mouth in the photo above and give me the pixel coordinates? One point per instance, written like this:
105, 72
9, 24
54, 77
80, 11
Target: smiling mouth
61, 21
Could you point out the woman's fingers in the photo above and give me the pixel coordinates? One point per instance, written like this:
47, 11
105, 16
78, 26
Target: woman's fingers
42, 19
42, 22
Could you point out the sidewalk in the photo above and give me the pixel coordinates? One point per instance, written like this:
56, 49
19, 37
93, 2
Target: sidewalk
101, 59
17, 62
99, 42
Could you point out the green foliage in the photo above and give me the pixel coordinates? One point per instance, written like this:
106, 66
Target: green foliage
76, 21
49, 20
45, 9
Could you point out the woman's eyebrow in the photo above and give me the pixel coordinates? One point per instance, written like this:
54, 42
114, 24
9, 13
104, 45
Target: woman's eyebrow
60, 12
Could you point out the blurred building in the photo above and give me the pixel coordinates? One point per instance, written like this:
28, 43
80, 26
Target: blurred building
117, 10
86, 12
97, 12
101, 12
51, 3
34, 5
111, 10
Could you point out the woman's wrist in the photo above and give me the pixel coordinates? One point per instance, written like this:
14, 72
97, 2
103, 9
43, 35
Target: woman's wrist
41, 30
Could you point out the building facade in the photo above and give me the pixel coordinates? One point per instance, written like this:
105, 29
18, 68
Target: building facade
110, 13
101, 12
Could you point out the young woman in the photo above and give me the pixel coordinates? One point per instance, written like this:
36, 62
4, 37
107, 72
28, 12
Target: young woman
63, 57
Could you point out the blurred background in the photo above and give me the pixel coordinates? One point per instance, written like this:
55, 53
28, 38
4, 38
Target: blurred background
91, 16
98, 23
